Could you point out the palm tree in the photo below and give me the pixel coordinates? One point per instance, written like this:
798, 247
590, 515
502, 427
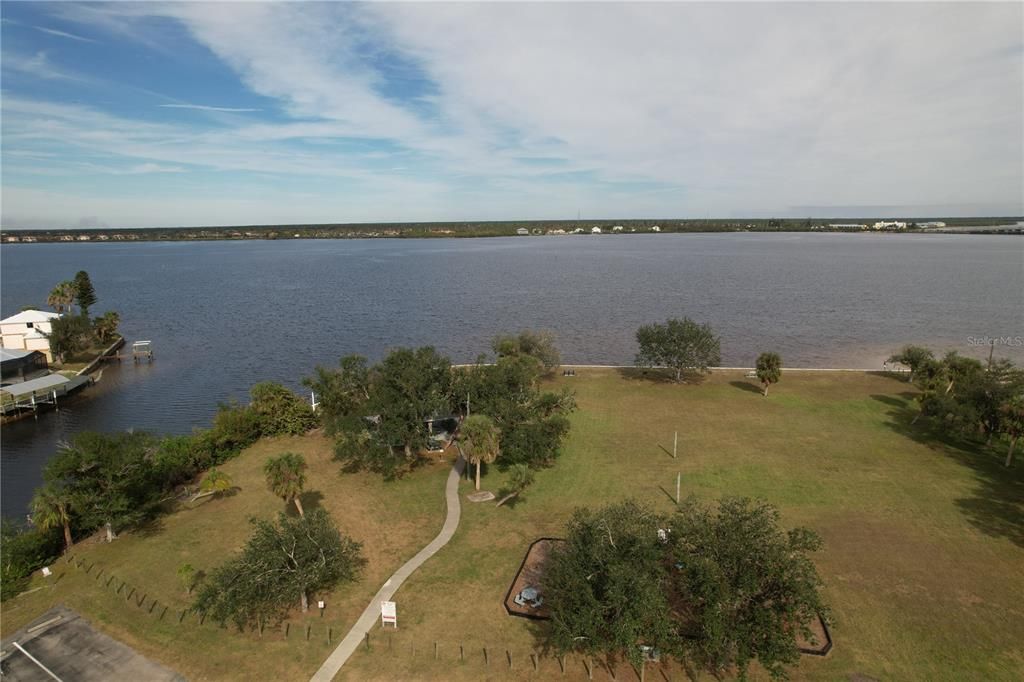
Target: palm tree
106, 326
62, 296
286, 477
51, 508
479, 437
215, 482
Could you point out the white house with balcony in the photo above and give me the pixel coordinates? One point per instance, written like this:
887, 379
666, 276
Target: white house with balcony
27, 331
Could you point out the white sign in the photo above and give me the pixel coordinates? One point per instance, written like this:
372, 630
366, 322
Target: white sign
388, 613
321, 604
46, 571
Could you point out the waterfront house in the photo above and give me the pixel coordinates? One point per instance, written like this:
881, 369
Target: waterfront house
656, 229
27, 331
617, 228
522, 231
595, 230
21, 365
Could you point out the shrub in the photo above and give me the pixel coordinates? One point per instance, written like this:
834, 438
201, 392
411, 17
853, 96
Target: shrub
279, 411
22, 551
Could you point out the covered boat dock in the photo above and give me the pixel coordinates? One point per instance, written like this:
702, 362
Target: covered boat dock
35, 393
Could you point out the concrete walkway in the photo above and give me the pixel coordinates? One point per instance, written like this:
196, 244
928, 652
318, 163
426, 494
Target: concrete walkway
371, 616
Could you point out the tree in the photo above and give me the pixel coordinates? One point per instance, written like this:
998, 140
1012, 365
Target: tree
748, 588
282, 563
1012, 423
286, 477
605, 585
106, 325
85, 295
109, 477
214, 483
51, 508
25, 550
68, 335
62, 296
769, 369
539, 345
914, 357
410, 387
342, 394
280, 412
679, 345
717, 588
520, 477
479, 441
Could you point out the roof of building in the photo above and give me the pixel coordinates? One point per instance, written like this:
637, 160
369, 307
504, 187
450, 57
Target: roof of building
30, 316
40, 384
14, 354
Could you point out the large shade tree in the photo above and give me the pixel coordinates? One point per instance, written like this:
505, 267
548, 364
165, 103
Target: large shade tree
679, 345
286, 477
281, 565
479, 441
715, 588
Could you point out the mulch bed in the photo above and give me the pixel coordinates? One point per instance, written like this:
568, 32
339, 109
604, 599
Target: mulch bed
529, 575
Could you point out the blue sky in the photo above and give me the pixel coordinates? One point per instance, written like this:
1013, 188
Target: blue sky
153, 114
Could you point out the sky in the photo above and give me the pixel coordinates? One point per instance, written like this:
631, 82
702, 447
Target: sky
144, 114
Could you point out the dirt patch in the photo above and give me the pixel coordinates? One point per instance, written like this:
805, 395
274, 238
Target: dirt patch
530, 573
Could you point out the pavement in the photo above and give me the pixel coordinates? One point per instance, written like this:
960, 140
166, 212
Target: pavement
371, 615
61, 645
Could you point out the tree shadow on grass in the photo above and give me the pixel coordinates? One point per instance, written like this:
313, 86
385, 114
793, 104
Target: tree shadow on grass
996, 507
660, 376
310, 500
746, 386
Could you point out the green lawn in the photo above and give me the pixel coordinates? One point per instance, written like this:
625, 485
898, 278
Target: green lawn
924, 539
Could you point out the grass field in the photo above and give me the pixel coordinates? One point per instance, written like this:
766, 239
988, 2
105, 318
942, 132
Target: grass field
922, 563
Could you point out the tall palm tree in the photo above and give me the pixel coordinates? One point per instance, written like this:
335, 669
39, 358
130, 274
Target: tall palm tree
51, 508
479, 441
62, 296
286, 477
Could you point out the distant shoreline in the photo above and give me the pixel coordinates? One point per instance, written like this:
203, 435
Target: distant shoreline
525, 229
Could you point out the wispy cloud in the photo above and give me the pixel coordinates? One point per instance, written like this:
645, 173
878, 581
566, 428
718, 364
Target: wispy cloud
206, 107
64, 34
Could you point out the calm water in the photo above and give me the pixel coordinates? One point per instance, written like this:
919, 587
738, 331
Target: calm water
224, 315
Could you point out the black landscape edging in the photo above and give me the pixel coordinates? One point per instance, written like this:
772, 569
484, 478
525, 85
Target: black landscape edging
512, 585
823, 651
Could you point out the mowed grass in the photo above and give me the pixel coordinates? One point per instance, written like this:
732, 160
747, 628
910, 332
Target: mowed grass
392, 520
923, 558
922, 563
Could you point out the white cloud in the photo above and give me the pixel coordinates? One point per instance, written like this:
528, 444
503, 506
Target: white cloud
63, 34
206, 107
721, 109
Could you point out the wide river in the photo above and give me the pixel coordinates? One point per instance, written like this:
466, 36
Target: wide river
224, 315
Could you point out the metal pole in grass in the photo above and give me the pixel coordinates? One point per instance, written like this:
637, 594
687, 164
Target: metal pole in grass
675, 444
679, 477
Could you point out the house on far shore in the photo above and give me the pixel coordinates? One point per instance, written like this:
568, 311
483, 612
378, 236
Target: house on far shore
656, 229
21, 365
595, 230
27, 331
522, 232
617, 228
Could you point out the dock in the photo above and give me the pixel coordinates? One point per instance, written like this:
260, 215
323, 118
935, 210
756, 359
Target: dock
28, 397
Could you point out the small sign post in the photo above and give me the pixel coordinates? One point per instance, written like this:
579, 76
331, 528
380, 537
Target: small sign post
322, 605
388, 613
47, 572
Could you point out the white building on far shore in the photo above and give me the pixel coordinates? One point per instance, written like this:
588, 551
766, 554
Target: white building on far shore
27, 331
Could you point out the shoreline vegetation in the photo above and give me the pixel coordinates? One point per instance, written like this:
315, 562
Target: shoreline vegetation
1013, 225
372, 454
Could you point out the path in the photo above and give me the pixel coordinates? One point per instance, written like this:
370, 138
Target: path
371, 615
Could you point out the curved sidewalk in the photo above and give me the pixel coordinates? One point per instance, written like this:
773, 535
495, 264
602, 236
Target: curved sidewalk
371, 615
